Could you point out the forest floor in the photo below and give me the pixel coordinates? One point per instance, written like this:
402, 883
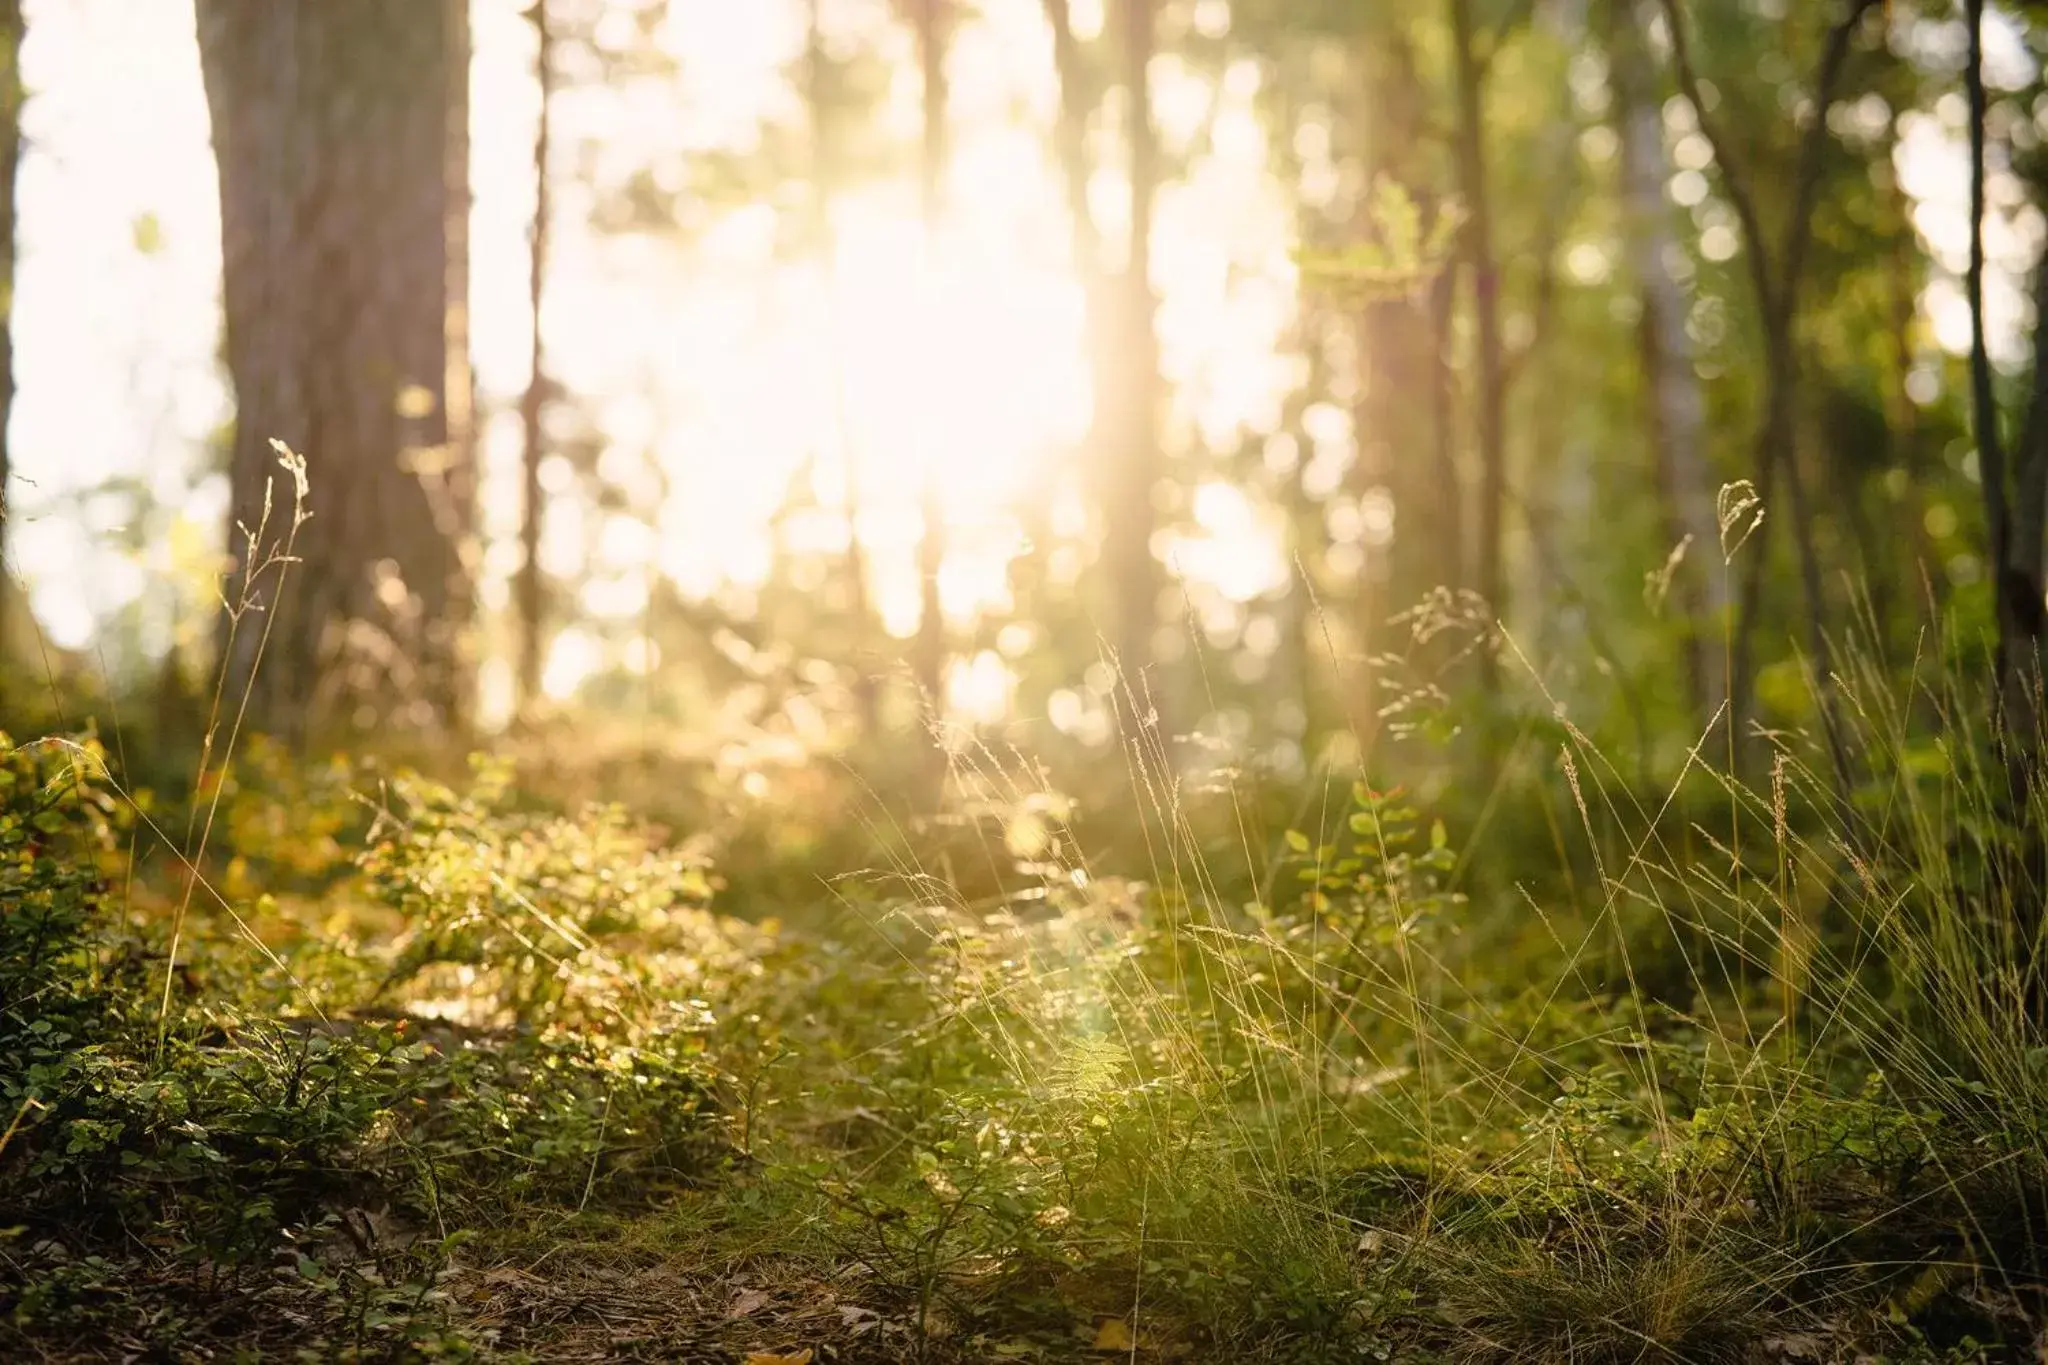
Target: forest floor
422, 1070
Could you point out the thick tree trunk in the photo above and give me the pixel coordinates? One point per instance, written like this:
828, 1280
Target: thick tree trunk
1676, 408
341, 135
1406, 403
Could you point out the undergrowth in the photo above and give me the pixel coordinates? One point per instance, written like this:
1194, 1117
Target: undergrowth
394, 1068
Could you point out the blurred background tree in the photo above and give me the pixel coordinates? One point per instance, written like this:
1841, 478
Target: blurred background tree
1316, 381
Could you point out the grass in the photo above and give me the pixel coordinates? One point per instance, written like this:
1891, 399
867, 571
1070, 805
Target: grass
389, 1067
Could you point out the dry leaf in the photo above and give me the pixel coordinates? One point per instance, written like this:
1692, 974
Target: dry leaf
802, 1357
857, 1319
1114, 1334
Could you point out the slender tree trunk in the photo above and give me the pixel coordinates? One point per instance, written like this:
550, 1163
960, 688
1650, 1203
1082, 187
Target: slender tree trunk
341, 133
1901, 413
1983, 401
1076, 100
866, 688
1443, 425
1777, 270
1676, 408
1778, 456
1134, 456
2030, 472
930, 654
532, 406
2016, 563
2023, 633
1078, 97
1492, 397
11, 99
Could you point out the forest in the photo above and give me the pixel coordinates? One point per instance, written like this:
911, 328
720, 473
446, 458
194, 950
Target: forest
800, 681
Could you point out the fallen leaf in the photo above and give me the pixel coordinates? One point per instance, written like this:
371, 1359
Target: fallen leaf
802, 1357
1114, 1334
857, 1319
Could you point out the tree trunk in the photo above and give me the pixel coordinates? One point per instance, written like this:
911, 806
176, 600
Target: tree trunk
1077, 99
2013, 532
1391, 422
11, 98
1676, 408
1132, 407
866, 685
1777, 271
1902, 279
1449, 511
929, 659
2030, 475
1492, 397
533, 404
342, 140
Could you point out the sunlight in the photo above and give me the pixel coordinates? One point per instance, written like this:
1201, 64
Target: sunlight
715, 368
972, 784
573, 656
973, 382
1237, 548
978, 689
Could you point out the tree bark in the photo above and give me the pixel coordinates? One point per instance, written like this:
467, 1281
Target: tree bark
342, 141
1391, 425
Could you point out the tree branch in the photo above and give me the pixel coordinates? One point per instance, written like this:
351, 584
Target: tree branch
1806, 183
1734, 179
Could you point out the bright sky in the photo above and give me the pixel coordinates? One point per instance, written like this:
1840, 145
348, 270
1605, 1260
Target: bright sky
714, 368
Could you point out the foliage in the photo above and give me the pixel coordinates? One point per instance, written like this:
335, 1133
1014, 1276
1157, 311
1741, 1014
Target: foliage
1379, 972
240, 1133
